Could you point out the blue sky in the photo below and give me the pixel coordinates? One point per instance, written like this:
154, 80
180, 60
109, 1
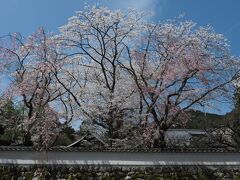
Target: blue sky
25, 16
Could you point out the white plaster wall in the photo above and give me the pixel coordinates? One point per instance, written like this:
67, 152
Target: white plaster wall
118, 158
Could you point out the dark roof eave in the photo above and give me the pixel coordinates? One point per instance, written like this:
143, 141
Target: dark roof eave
134, 150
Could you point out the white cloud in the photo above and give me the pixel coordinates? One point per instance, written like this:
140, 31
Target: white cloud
155, 6
145, 5
139, 4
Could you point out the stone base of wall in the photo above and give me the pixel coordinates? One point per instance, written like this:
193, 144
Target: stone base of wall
117, 173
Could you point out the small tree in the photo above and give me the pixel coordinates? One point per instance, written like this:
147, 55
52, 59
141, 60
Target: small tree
11, 118
228, 134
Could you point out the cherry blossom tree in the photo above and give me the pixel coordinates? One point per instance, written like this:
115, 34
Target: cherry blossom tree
178, 67
33, 63
170, 68
115, 70
96, 39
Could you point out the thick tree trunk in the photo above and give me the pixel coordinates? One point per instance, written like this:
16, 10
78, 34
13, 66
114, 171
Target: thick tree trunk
110, 135
27, 139
159, 139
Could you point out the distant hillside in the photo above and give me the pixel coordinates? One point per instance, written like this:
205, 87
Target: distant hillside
202, 120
